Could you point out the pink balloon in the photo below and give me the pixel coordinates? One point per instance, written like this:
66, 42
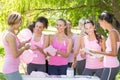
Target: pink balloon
24, 35
27, 56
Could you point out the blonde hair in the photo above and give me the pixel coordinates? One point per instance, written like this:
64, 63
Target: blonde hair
82, 21
14, 18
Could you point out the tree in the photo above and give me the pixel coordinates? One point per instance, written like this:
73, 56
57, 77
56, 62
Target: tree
53, 9
113, 6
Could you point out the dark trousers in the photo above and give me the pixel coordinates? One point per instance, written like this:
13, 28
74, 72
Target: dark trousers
109, 73
36, 67
80, 66
57, 70
92, 72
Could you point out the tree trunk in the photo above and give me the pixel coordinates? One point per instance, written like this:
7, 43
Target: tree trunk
113, 6
116, 11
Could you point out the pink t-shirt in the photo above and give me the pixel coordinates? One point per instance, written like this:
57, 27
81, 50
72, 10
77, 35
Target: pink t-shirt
110, 61
39, 58
58, 60
92, 62
71, 56
11, 64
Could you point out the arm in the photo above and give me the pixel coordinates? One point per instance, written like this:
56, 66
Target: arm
102, 43
103, 47
82, 46
114, 39
23, 43
76, 51
69, 48
46, 43
13, 48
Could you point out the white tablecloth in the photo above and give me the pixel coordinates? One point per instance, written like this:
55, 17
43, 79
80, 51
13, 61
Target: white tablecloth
27, 77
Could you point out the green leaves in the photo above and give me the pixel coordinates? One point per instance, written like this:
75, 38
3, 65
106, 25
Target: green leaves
52, 9
2, 53
2, 77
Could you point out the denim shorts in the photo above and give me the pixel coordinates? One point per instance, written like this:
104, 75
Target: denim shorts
13, 76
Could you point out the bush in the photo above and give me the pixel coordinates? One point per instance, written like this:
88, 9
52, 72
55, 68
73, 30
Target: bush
2, 52
2, 76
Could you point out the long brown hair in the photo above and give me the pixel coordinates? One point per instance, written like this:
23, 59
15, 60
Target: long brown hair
65, 31
98, 36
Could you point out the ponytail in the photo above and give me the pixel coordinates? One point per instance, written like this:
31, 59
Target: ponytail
109, 18
98, 36
117, 24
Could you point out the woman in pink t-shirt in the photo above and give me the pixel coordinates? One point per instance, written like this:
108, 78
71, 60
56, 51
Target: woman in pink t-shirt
63, 44
78, 61
111, 63
73, 36
12, 48
38, 42
92, 41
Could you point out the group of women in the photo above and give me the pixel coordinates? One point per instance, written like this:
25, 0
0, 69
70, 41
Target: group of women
81, 52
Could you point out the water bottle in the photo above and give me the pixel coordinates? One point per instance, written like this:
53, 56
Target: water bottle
70, 72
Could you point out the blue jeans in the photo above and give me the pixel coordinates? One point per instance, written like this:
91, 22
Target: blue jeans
57, 70
14, 76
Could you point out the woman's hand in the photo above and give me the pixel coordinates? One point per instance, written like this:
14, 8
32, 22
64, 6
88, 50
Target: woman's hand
82, 53
24, 42
58, 52
27, 47
38, 48
33, 48
94, 52
74, 64
101, 59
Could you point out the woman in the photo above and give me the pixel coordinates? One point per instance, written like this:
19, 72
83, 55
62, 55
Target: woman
38, 42
63, 44
73, 37
78, 61
111, 63
94, 65
12, 48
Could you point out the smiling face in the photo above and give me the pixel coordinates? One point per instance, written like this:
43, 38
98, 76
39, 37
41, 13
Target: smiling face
89, 28
60, 26
39, 27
